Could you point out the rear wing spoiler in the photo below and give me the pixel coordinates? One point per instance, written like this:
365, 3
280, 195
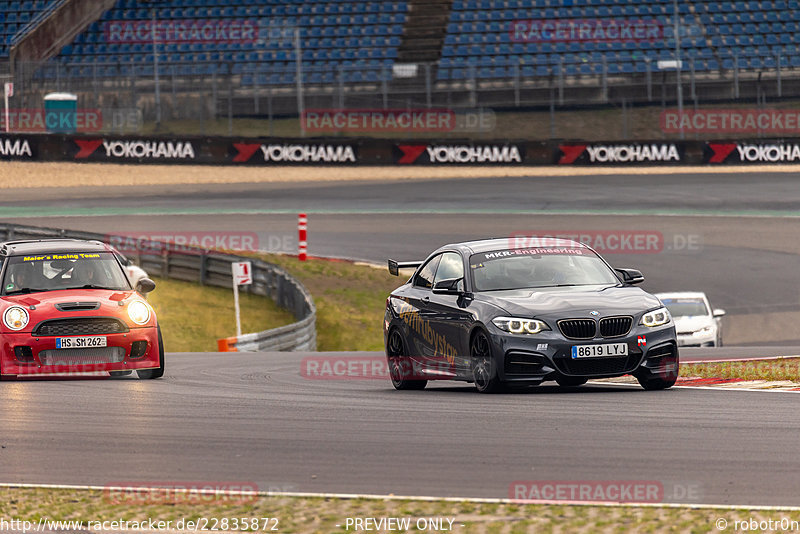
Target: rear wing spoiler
395, 266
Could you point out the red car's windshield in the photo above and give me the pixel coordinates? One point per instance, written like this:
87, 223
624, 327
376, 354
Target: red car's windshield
71, 270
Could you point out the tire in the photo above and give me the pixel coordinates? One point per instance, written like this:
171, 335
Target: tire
151, 374
395, 354
655, 384
662, 380
571, 381
484, 373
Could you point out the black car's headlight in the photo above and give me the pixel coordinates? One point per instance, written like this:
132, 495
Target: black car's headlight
655, 318
516, 325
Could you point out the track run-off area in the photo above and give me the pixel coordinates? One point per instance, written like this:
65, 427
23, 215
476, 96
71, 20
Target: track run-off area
254, 417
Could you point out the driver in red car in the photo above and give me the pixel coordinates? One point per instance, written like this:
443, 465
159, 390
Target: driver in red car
84, 274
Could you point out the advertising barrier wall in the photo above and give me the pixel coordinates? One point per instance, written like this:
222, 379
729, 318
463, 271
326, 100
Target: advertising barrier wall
371, 151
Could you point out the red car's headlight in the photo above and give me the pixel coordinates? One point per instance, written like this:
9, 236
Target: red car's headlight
139, 312
16, 318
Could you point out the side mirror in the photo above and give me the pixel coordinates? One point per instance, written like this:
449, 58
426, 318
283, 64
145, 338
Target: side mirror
145, 285
631, 276
447, 287
718, 312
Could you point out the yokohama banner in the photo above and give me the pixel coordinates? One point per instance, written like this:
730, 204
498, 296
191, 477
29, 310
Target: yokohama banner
294, 152
635, 153
350, 151
752, 152
23, 147
458, 153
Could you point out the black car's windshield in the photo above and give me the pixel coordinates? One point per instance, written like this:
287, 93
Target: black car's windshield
49, 272
686, 307
539, 267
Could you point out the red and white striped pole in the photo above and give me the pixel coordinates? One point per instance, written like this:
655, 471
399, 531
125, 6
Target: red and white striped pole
302, 242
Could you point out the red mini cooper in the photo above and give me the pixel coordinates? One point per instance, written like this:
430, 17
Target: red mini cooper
67, 307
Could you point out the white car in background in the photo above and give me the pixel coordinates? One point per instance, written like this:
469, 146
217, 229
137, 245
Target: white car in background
133, 271
696, 322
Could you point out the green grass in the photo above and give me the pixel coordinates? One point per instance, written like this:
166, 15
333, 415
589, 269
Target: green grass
318, 515
350, 300
193, 317
780, 369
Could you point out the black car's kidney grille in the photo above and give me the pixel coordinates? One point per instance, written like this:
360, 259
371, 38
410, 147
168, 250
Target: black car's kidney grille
598, 366
615, 326
578, 328
85, 326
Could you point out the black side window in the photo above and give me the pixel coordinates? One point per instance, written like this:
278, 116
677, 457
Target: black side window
424, 277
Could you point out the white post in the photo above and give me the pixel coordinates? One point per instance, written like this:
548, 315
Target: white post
236, 305
7, 88
241, 274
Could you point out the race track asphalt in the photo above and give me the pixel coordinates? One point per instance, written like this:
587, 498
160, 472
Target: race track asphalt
735, 236
242, 417
254, 418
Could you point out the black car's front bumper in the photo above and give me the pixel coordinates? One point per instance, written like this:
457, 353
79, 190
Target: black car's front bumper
548, 355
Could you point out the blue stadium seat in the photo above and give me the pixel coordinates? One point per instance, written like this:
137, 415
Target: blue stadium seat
333, 31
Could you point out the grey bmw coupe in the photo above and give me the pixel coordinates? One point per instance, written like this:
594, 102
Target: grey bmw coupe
500, 312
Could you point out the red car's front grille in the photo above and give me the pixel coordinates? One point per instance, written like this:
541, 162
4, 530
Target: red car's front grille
83, 326
87, 356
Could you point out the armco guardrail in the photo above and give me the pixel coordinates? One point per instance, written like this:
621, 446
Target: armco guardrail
212, 268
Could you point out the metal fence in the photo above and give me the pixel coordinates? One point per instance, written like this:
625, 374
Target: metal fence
249, 99
214, 269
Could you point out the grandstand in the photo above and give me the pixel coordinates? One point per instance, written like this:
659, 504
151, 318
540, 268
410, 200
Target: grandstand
715, 35
361, 39
463, 52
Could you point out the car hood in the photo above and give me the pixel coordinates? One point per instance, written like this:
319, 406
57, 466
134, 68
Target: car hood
692, 323
578, 301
